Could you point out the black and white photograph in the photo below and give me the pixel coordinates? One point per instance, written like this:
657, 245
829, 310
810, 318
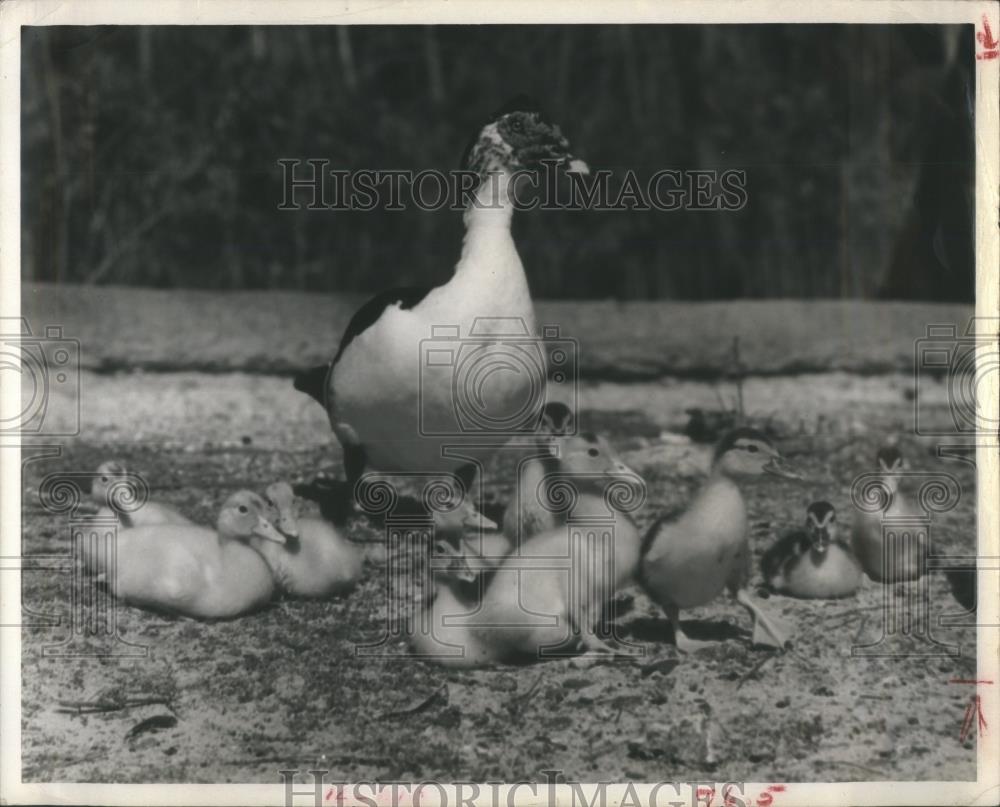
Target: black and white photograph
484, 403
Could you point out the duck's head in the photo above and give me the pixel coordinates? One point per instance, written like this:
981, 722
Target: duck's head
519, 138
244, 516
107, 474
747, 452
557, 419
821, 522
588, 454
280, 502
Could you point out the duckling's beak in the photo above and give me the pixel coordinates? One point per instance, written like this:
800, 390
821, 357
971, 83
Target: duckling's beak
266, 530
479, 521
821, 540
287, 523
779, 466
575, 165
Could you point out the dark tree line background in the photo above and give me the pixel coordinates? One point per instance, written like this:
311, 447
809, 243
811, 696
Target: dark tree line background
150, 154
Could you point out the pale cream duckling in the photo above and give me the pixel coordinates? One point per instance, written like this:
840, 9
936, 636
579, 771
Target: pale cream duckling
195, 571
585, 456
546, 601
315, 560
813, 563
149, 514
689, 560
102, 492
908, 560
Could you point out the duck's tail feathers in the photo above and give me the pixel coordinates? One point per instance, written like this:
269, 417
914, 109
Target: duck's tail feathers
313, 382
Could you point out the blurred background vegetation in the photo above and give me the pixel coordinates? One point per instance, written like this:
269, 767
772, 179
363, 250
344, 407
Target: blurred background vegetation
150, 154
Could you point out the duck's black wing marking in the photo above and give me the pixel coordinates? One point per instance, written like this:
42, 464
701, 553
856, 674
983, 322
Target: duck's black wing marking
313, 382
366, 316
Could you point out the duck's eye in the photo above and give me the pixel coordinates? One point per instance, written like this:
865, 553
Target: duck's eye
243, 509
753, 449
593, 452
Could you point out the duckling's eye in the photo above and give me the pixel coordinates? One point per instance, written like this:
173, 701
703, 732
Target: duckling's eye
516, 126
243, 509
104, 479
753, 449
593, 452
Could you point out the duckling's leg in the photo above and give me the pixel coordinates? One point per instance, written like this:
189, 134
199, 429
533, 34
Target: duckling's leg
683, 642
767, 631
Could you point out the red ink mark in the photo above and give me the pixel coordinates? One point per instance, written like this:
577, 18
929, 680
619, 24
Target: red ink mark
765, 800
973, 714
968, 681
705, 793
990, 45
777, 788
727, 798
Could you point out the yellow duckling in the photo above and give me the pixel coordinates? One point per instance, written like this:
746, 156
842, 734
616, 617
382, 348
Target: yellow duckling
690, 559
813, 563
150, 514
195, 571
315, 560
544, 602
906, 561
103, 495
586, 457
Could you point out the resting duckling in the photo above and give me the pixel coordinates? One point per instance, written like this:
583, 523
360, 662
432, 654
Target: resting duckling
102, 492
688, 560
812, 563
150, 514
545, 602
586, 458
315, 560
908, 558
195, 571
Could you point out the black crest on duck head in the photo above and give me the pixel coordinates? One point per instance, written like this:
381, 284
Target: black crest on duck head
730, 438
519, 103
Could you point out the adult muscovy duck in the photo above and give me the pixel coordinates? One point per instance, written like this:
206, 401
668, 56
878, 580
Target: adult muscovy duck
382, 396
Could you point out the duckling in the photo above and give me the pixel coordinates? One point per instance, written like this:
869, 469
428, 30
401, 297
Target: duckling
315, 560
544, 602
390, 409
688, 560
149, 514
586, 458
813, 563
907, 561
195, 571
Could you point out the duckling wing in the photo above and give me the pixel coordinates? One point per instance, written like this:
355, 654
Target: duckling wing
161, 568
785, 550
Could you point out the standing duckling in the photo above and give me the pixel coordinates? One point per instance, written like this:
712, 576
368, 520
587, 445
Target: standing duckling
690, 559
812, 563
315, 560
907, 560
198, 572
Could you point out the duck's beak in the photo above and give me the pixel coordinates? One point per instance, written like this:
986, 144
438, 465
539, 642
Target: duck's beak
266, 530
287, 523
779, 466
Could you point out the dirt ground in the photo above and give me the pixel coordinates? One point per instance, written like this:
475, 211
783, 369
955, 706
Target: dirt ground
284, 688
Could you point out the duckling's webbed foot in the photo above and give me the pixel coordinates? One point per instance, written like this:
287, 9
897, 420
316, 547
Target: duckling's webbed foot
683, 642
768, 631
